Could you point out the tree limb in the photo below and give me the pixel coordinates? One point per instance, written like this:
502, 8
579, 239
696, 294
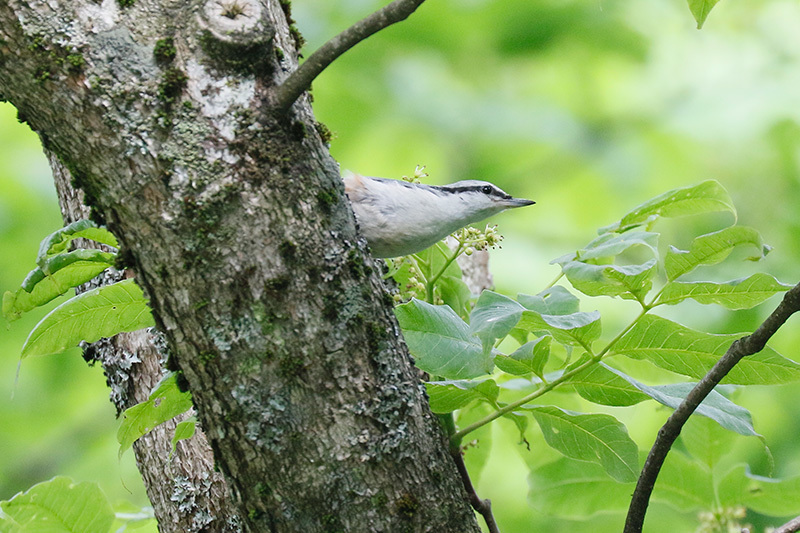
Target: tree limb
740, 348
300, 80
791, 526
483, 507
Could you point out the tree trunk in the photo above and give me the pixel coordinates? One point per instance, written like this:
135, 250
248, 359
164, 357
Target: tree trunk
187, 494
235, 224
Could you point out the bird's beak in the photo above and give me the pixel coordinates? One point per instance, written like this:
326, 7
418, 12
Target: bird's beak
518, 202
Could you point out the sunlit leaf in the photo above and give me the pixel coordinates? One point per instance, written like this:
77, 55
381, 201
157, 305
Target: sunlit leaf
771, 497
528, 358
706, 197
737, 294
556, 300
455, 293
67, 271
101, 312
711, 249
679, 349
708, 443
431, 261
447, 396
165, 402
441, 342
609, 245
576, 489
133, 518
632, 281
183, 431
57, 506
578, 329
684, 484
494, 316
715, 406
600, 385
597, 438
58, 241
700, 10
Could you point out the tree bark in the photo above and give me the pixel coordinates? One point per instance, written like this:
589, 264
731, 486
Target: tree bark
187, 494
236, 226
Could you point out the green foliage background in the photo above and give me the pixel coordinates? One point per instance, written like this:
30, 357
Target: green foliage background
589, 108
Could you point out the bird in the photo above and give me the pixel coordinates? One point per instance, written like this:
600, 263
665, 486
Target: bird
401, 218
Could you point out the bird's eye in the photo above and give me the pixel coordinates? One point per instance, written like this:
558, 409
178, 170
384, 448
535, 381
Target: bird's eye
486, 189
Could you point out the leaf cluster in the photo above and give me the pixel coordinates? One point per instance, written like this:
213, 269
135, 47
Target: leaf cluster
96, 313
550, 344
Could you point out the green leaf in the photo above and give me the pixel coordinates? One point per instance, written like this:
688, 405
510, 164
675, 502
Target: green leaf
165, 402
600, 439
184, 430
556, 300
577, 329
574, 489
598, 384
431, 261
530, 357
628, 281
771, 497
521, 421
67, 271
700, 10
441, 342
737, 294
57, 506
493, 317
101, 312
455, 293
679, 349
711, 249
448, 396
715, 406
130, 517
57, 263
684, 484
58, 241
708, 443
706, 197
609, 245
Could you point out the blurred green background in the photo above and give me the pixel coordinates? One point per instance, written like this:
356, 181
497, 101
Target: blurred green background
589, 108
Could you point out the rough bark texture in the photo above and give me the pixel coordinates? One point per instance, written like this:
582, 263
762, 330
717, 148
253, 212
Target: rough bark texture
187, 494
235, 224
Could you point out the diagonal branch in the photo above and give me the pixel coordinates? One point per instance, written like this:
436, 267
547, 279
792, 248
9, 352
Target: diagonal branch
792, 526
300, 80
740, 348
483, 507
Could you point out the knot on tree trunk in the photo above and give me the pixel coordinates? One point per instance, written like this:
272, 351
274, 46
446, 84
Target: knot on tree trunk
237, 22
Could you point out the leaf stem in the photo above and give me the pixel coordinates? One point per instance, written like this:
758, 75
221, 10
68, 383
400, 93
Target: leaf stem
556, 280
458, 436
432, 282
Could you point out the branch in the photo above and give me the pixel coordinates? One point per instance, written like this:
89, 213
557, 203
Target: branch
740, 348
483, 507
300, 80
791, 526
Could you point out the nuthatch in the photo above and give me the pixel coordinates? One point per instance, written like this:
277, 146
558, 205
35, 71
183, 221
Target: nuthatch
401, 218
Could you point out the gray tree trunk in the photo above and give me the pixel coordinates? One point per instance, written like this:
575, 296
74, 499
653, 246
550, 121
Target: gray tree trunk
187, 494
235, 224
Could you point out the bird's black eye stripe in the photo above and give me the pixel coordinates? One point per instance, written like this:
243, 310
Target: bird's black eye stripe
487, 189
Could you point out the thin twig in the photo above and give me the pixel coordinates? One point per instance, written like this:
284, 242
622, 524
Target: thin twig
792, 526
740, 348
484, 507
300, 80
